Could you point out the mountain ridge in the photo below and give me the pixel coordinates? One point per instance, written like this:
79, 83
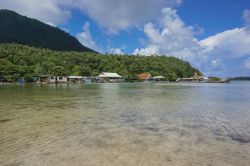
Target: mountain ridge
19, 29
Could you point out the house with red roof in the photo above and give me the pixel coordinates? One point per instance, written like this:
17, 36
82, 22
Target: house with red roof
145, 76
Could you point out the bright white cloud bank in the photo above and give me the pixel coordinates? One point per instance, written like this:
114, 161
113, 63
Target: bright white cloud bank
170, 36
246, 17
115, 15
214, 55
231, 43
116, 51
86, 38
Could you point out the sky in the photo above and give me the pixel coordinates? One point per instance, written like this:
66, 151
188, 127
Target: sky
214, 35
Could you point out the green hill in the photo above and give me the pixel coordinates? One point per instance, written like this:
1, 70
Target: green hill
23, 61
23, 30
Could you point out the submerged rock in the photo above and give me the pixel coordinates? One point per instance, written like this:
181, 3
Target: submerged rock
5, 120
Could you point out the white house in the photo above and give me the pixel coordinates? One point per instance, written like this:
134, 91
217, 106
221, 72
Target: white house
158, 78
53, 79
109, 77
61, 79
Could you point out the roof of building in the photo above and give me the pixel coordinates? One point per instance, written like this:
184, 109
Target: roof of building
144, 76
75, 77
108, 75
52, 76
159, 77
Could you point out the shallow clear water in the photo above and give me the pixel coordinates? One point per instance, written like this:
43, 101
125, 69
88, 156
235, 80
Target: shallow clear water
126, 124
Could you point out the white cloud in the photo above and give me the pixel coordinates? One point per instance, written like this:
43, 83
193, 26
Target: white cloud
216, 65
52, 12
246, 17
116, 15
116, 51
213, 55
150, 50
86, 38
230, 44
170, 36
247, 64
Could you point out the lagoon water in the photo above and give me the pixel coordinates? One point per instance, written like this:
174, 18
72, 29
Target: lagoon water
125, 124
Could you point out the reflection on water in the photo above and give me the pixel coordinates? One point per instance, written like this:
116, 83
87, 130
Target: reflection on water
125, 124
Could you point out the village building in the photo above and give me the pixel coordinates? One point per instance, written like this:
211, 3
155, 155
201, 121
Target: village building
158, 78
75, 79
145, 76
224, 80
61, 79
109, 77
47, 79
194, 78
89, 80
52, 79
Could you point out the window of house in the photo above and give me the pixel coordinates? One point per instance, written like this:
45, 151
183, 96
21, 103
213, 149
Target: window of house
60, 78
52, 78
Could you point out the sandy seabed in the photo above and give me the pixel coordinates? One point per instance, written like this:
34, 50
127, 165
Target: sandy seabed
128, 126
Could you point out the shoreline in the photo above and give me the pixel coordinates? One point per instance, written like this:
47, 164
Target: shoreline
127, 82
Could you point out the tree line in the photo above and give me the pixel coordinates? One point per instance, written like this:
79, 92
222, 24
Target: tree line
20, 61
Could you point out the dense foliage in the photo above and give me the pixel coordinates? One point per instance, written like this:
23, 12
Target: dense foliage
23, 61
214, 79
23, 30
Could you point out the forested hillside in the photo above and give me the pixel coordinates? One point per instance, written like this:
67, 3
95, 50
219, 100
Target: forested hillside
23, 61
15, 28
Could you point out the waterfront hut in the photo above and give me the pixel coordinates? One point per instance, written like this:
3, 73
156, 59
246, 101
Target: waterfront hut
109, 77
61, 79
203, 78
75, 79
224, 80
158, 78
89, 80
52, 79
47, 79
194, 78
145, 76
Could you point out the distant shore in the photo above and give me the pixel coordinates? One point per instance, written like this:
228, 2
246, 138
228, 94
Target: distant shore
161, 82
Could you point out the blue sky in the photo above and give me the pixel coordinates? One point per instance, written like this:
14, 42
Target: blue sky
213, 35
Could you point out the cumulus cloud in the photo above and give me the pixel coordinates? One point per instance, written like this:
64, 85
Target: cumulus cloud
170, 36
213, 55
246, 17
116, 51
115, 15
231, 43
149, 50
86, 38
232, 48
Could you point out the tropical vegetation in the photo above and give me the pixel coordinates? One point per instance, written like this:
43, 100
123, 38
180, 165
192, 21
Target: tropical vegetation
20, 61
